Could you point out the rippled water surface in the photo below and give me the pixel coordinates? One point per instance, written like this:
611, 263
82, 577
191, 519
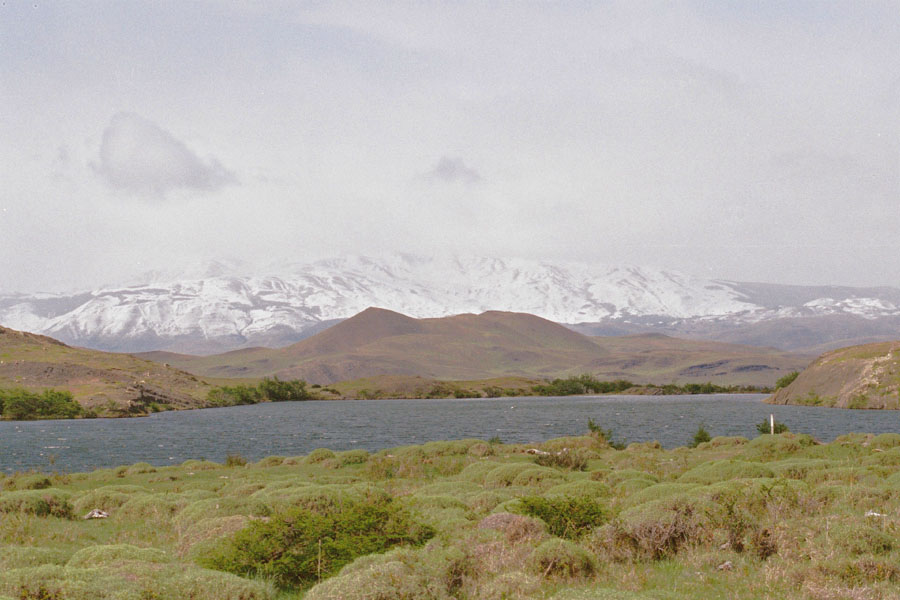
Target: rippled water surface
293, 428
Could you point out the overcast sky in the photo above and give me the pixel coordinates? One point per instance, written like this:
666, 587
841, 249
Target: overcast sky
740, 140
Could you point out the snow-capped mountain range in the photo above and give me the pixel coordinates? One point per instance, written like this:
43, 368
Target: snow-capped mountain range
220, 306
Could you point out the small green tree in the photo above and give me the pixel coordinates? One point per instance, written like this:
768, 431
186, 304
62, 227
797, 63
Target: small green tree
604, 435
700, 437
786, 380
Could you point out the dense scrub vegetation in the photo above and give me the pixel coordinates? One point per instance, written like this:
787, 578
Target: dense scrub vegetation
588, 384
298, 546
20, 405
267, 390
787, 380
779, 516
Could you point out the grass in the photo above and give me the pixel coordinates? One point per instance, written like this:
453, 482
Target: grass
775, 517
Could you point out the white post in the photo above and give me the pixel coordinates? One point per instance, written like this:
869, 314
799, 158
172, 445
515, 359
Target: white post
772, 423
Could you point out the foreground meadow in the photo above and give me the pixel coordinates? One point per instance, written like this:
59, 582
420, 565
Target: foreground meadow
779, 516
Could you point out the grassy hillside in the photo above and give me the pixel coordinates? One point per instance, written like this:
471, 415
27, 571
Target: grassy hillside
866, 376
493, 344
779, 516
109, 384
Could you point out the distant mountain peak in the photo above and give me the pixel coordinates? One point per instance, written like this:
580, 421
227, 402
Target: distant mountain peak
214, 306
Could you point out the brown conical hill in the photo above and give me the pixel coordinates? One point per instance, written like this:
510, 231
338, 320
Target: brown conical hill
380, 342
370, 325
866, 376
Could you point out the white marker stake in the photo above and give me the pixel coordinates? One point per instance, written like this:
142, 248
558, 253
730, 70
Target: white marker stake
772, 423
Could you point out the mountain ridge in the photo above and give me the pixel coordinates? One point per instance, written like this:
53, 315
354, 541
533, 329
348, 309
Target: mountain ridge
217, 309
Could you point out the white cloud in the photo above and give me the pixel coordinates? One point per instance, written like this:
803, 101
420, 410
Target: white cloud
137, 155
452, 170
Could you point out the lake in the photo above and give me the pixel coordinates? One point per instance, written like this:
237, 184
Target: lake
293, 428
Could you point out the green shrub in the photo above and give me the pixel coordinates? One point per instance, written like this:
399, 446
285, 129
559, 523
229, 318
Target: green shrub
269, 461
537, 476
107, 497
786, 380
477, 472
27, 481
614, 477
390, 580
435, 573
885, 441
604, 435
701, 436
19, 404
235, 460
764, 427
202, 536
503, 475
297, 547
140, 468
200, 465
561, 558
660, 528
627, 487
565, 516
776, 447
574, 459
352, 457
859, 540
49, 502
656, 491
277, 390
318, 455
157, 506
516, 528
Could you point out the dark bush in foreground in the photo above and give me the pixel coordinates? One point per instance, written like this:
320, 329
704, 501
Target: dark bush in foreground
568, 517
298, 547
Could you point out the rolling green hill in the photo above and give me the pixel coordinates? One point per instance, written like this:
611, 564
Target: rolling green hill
379, 342
866, 376
106, 383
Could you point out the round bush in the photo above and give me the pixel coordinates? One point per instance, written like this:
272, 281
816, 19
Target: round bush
615, 477
505, 474
318, 455
560, 558
270, 461
538, 476
515, 527
352, 457
147, 506
48, 502
107, 497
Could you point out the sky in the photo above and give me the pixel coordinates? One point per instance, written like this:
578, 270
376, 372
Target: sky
751, 141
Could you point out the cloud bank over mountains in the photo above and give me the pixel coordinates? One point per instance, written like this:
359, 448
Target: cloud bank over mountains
748, 141
137, 155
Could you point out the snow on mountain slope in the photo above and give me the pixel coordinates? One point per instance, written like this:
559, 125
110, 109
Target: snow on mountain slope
220, 307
